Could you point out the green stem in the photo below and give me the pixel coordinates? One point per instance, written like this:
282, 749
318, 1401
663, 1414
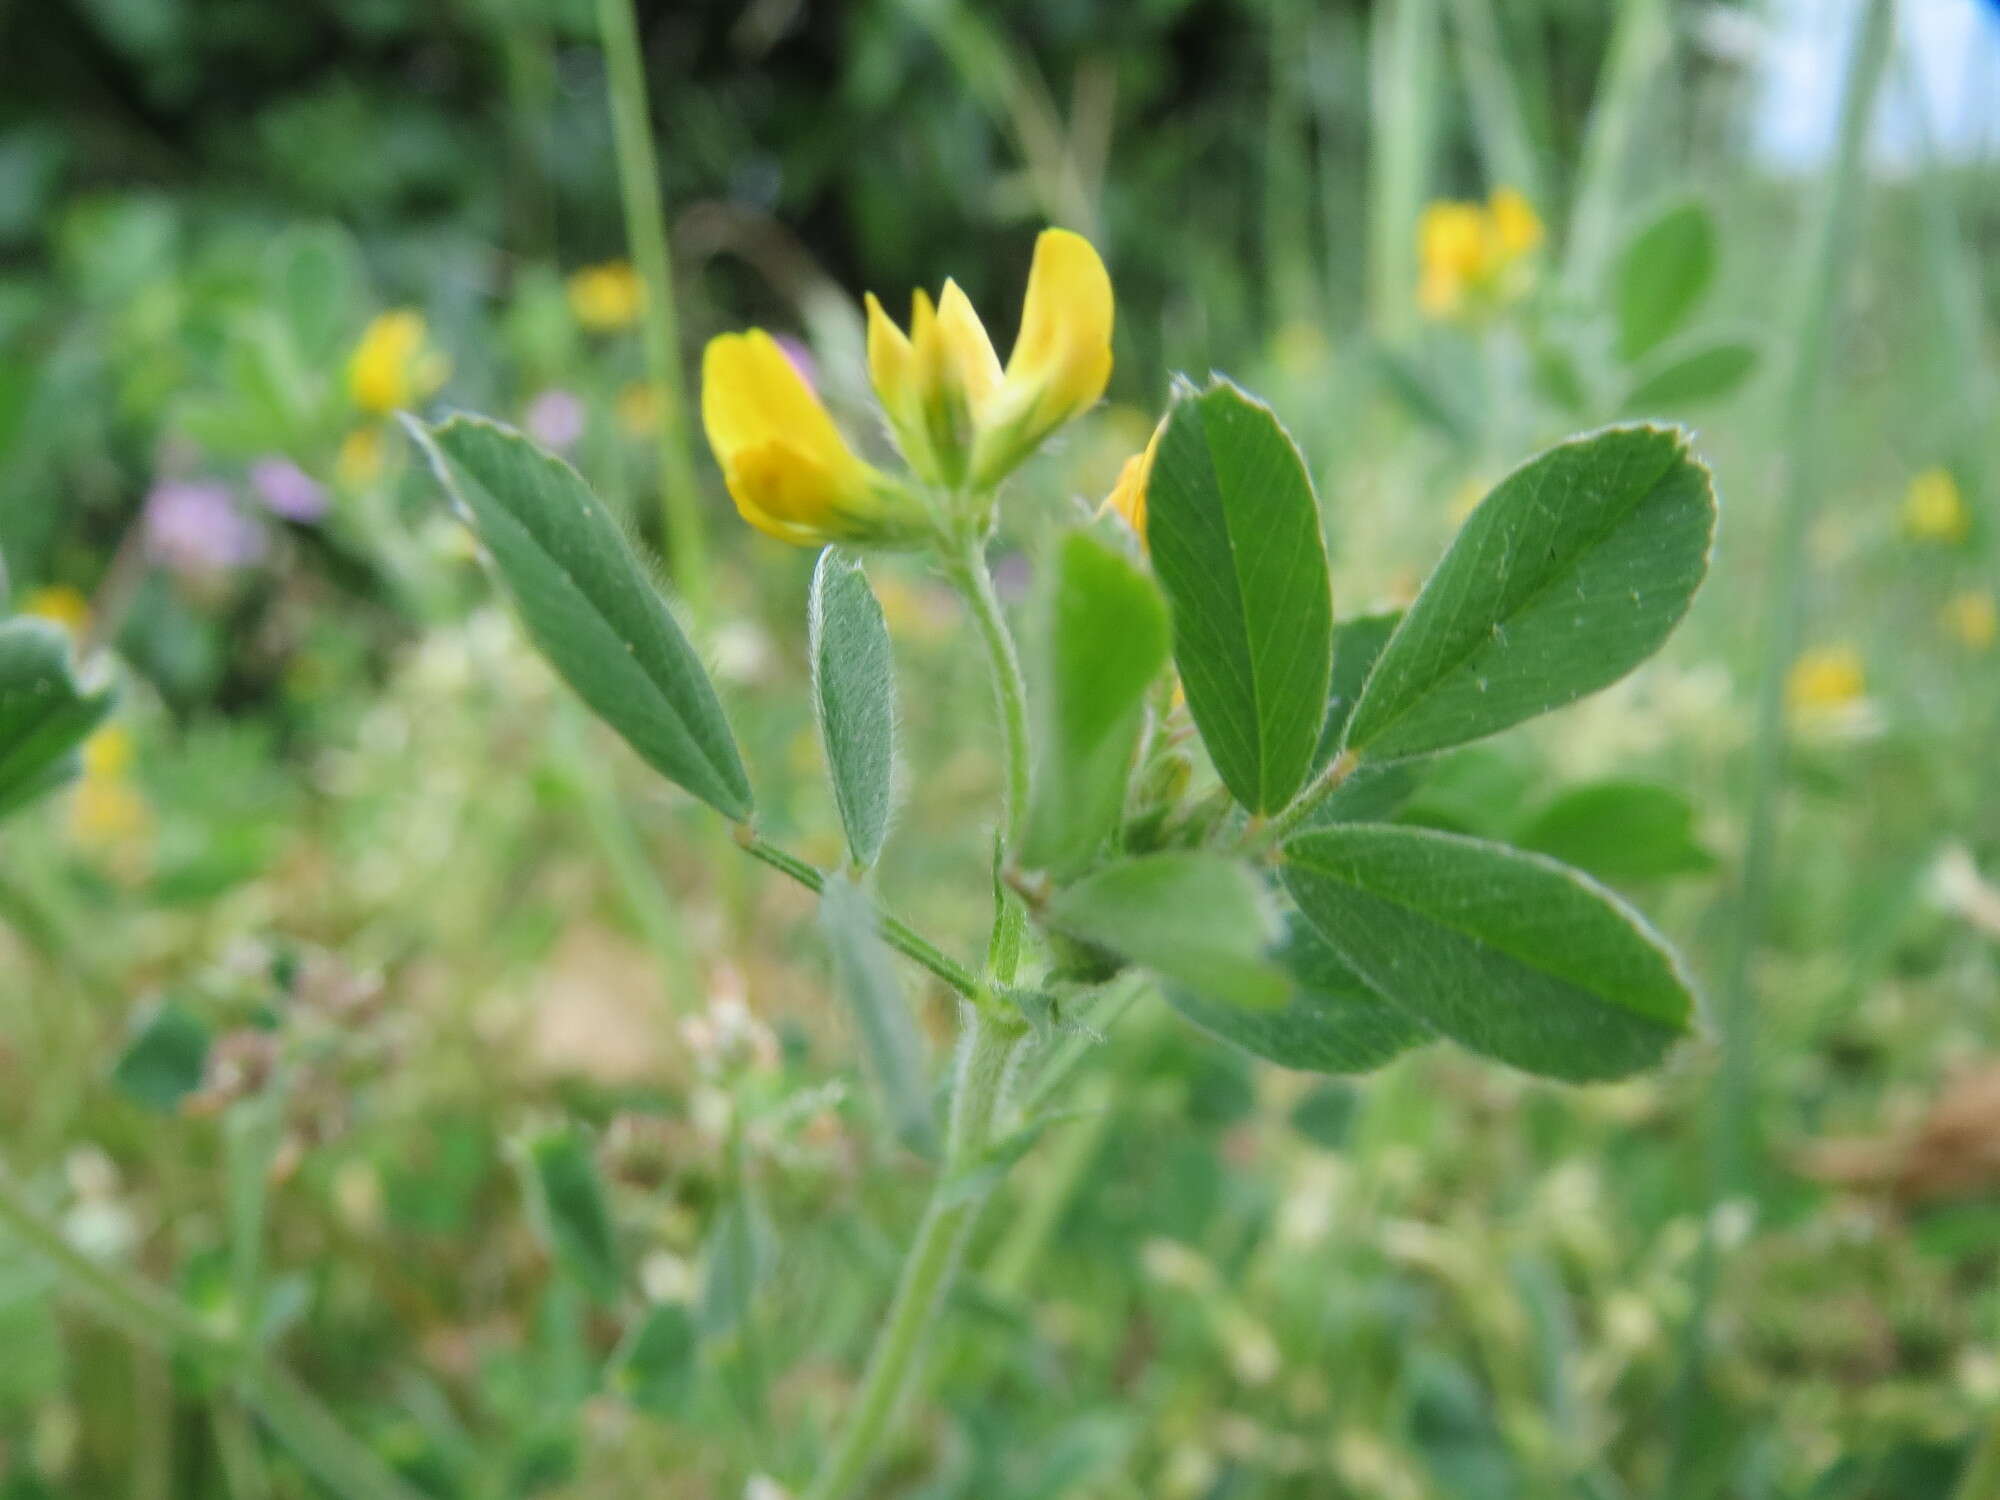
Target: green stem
1287, 819
897, 933
973, 579
150, 1317
1639, 45
985, 1063
1734, 1145
646, 232
1825, 274
1402, 107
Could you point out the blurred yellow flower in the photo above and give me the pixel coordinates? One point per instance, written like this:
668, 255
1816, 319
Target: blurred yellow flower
786, 465
104, 812
1516, 226
1933, 508
394, 365
61, 603
638, 409
108, 752
956, 413
1128, 495
1826, 677
606, 297
105, 808
1471, 256
1972, 619
360, 460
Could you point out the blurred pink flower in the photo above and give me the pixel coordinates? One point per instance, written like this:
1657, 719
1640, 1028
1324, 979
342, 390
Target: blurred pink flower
555, 419
287, 491
194, 527
801, 357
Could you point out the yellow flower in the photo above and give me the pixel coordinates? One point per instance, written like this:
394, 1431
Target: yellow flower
108, 752
359, 462
787, 467
934, 380
955, 412
394, 365
1826, 677
1934, 510
1972, 619
1470, 257
607, 297
61, 603
103, 813
638, 409
1128, 495
105, 808
1517, 228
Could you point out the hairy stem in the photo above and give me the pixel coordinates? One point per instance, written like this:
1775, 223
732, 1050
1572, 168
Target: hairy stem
985, 1063
646, 232
973, 579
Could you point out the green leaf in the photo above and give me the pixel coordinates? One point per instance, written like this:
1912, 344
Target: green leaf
589, 605
854, 698
573, 1212
1235, 538
890, 1041
1620, 831
1569, 574
1699, 374
164, 1057
1331, 1023
1103, 640
1661, 274
1198, 919
654, 1368
1506, 953
45, 713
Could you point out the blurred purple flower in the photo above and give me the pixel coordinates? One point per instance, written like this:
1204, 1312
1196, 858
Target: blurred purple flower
287, 491
555, 419
801, 357
194, 527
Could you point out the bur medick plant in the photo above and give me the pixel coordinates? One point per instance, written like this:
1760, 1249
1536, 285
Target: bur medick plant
1203, 759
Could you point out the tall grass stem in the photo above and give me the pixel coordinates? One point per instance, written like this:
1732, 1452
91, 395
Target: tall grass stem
646, 233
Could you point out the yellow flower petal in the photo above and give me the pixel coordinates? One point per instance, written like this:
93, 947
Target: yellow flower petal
786, 465
1128, 495
964, 339
1061, 360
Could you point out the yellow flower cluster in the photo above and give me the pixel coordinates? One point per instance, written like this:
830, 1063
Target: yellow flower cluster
608, 297
961, 420
1473, 256
1934, 510
394, 364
